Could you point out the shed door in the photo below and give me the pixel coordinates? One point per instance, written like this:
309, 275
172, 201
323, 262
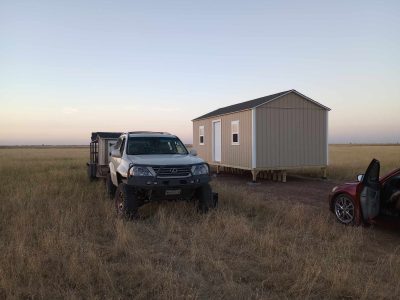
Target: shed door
217, 141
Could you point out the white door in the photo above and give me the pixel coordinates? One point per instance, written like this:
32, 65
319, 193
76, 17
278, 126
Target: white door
217, 141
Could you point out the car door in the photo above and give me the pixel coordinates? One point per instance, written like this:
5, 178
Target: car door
370, 191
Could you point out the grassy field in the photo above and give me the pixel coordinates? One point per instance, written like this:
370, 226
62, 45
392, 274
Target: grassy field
59, 238
346, 161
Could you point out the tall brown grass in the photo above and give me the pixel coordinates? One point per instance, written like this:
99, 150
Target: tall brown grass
59, 238
347, 161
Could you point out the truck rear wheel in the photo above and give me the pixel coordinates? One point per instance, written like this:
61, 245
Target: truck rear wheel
110, 187
126, 202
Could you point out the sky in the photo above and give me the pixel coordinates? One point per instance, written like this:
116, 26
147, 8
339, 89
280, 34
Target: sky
68, 68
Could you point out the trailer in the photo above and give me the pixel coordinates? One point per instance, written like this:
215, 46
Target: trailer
100, 153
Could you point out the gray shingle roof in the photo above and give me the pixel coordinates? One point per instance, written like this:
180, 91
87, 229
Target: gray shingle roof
250, 104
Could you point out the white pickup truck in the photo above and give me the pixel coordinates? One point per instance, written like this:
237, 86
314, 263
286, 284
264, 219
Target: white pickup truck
148, 166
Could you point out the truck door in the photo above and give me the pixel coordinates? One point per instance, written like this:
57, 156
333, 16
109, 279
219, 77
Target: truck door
370, 191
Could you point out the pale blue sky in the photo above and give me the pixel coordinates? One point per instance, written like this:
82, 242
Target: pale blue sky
71, 67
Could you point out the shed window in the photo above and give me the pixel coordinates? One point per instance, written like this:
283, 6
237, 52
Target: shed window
201, 135
235, 132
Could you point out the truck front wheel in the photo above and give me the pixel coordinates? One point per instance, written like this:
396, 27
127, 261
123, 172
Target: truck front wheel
206, 197
126, 202
110, 187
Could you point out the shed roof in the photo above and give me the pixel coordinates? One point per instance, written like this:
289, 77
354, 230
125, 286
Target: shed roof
253, 104
105, 135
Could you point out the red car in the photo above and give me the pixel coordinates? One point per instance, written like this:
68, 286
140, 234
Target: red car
369, 200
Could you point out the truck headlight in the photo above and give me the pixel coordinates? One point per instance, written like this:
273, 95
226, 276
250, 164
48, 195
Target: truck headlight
140, 171
200, 169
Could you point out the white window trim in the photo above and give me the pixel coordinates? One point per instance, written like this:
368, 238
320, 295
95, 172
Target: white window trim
253, 139
238, 133
200, 127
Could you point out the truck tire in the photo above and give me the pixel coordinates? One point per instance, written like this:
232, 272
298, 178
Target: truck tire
214, 200
91, 171
206, 199
126, 202
110, 187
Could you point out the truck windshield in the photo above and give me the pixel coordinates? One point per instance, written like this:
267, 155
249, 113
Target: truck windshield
155, 145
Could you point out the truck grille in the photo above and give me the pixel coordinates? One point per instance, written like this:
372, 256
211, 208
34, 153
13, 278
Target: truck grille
172, 171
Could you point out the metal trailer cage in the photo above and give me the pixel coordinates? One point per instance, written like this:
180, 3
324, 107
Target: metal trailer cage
99, 153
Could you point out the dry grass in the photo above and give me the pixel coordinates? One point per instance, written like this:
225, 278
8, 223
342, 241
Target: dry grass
346, 161
59, 238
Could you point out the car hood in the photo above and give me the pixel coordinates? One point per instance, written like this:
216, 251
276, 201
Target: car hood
165, 159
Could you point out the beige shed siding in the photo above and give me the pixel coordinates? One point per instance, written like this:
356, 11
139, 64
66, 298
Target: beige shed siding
232, 155
291, 132
204, 151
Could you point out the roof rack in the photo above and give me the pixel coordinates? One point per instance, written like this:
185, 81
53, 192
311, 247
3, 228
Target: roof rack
155, 132
105, 135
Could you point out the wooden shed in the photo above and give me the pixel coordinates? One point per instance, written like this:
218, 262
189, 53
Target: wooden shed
271, 135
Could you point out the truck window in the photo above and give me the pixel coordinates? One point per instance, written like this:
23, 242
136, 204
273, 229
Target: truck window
121, 150
155, 145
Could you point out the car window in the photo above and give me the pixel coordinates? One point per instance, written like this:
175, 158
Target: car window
372, 173
394, 182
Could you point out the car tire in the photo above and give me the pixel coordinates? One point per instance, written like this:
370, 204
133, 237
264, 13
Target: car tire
206, 199
345, 210
126, 202
110, 187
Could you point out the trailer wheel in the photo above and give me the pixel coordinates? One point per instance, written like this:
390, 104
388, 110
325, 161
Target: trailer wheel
126, 202
91, 171
110, 187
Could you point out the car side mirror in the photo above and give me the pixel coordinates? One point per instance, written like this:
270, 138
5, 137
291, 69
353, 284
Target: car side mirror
193, 152
116, 153
360, 177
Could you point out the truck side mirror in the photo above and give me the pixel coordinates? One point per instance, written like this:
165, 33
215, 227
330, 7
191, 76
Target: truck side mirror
116, 153
193, 152
360, 177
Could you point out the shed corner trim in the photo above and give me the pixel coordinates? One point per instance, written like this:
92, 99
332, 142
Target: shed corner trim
253, 139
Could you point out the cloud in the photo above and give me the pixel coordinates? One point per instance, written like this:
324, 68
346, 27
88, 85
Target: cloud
165, 109
142, 108
70, 110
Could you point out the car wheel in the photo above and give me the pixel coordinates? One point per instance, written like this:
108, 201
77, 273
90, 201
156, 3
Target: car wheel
126, 202
345, 210
110, 187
